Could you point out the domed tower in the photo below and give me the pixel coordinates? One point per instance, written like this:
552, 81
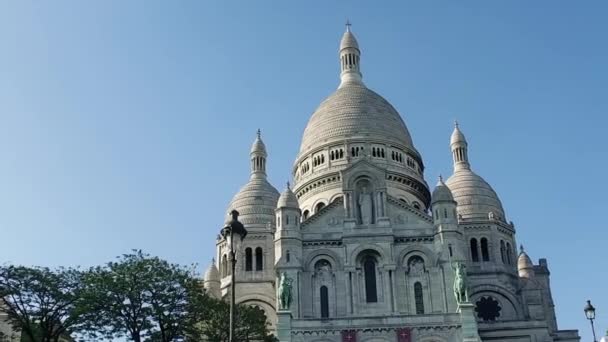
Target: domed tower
288, 237
353, 124
475, 197
255, 202
449, 236
211, 281
488, 239
525, 267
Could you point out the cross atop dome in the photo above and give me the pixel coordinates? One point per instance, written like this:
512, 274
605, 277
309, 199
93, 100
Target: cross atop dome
348, 25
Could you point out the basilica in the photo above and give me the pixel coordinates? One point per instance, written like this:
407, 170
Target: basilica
369, 250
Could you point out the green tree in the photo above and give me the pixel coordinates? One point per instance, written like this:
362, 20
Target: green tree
40, 302
251, 323
142, 297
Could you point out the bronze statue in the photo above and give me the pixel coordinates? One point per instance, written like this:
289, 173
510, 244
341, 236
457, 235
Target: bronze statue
461, 291
285, 295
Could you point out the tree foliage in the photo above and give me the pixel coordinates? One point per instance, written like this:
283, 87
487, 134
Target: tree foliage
251, 323
142, 297
39, 302
137, 296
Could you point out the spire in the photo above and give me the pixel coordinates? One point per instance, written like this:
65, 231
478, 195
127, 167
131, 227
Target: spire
349, 58
525, 267
459, 146
258, 156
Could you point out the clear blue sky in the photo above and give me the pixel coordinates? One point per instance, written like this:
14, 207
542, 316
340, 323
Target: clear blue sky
127, 124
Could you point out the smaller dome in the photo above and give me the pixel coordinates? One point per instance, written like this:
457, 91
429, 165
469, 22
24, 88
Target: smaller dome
525, 267
258, 145
349, 41
475, 198
255, 202
442, 193
288, 199
212, 274
457, 136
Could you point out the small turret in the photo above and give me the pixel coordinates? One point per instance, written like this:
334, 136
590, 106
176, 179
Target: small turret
525, 267
288, 238
443, 204
459, 146
211, 281
288, 211
258, 156
350, 58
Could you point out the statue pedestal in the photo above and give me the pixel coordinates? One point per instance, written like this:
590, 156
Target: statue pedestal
469, 323
284, 325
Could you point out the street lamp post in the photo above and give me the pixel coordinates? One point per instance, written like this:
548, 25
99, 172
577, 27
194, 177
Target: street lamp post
590, 314
233, 230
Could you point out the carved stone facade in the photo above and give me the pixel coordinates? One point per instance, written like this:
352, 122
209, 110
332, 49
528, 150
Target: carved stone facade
370, 250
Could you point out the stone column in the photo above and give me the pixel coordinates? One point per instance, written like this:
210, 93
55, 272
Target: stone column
284, 325
469, 324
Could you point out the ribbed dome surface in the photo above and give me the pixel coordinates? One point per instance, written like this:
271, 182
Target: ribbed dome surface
288, 200
354, 111
457, 136
474, 196
255, 202
348, 41
441, 193
212, 274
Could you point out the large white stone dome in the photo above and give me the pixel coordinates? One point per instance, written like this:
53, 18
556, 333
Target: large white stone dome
354, 111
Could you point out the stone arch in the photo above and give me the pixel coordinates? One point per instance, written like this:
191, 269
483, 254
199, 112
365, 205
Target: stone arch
329, 255
511, 305
313, 208
335, 197
425, 253
268, 309
356, 253
358, 175
257, 298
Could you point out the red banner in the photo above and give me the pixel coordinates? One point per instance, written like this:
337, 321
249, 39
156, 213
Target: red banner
349, 336
404, 335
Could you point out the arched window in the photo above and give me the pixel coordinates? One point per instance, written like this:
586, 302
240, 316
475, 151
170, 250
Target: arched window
416, 205
287, 256
503, 257
286, 219
324, 302
419, 298
319, 206
369, 268
485, 254
305, 214
224, 266
509, 254
248, 260
445, 212
259, 259
474, 251
279, 221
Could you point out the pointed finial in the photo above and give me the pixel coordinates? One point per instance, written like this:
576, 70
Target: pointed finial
259, 133
440, 179
288, 185
456, 124
213, 261
348, 25
521, 248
